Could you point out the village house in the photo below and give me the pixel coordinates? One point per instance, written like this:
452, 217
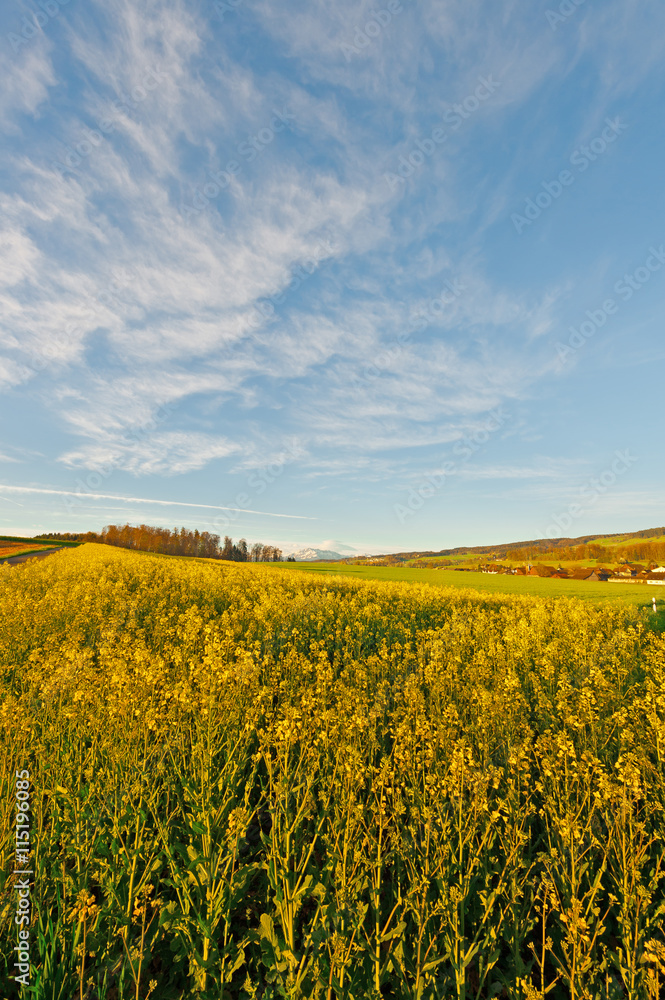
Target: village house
628, 573
625, 573
542, 571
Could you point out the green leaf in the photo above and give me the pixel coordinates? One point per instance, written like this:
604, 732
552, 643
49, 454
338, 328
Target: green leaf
389, 935
267, 929
433, 962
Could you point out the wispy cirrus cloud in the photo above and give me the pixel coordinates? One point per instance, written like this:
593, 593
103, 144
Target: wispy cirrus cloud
145, 500
118, 298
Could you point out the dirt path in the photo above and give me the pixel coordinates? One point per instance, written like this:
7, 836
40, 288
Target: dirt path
13, 560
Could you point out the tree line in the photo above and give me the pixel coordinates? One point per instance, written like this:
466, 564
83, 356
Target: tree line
179, 542
646, 552
63, 536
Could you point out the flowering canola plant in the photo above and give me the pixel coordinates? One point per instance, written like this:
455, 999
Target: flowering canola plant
252, 782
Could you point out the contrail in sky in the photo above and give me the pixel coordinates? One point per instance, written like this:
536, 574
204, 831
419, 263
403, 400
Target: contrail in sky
163, 503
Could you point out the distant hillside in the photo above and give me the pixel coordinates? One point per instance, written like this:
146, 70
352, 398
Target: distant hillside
537, 545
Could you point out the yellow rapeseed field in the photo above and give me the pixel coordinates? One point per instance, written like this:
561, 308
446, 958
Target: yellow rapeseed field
257, 784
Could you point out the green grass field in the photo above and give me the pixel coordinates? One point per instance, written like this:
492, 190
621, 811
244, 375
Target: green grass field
622, 540
629, 593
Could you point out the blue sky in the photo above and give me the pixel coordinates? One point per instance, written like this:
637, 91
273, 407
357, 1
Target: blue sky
361, 276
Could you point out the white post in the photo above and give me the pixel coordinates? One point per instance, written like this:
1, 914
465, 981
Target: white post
653, 600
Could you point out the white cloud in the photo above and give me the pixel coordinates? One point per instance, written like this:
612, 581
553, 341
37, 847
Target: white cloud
87, 494
168, 453
114, 304
26, 74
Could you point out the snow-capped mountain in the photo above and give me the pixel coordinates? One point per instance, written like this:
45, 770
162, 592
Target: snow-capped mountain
315, 555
